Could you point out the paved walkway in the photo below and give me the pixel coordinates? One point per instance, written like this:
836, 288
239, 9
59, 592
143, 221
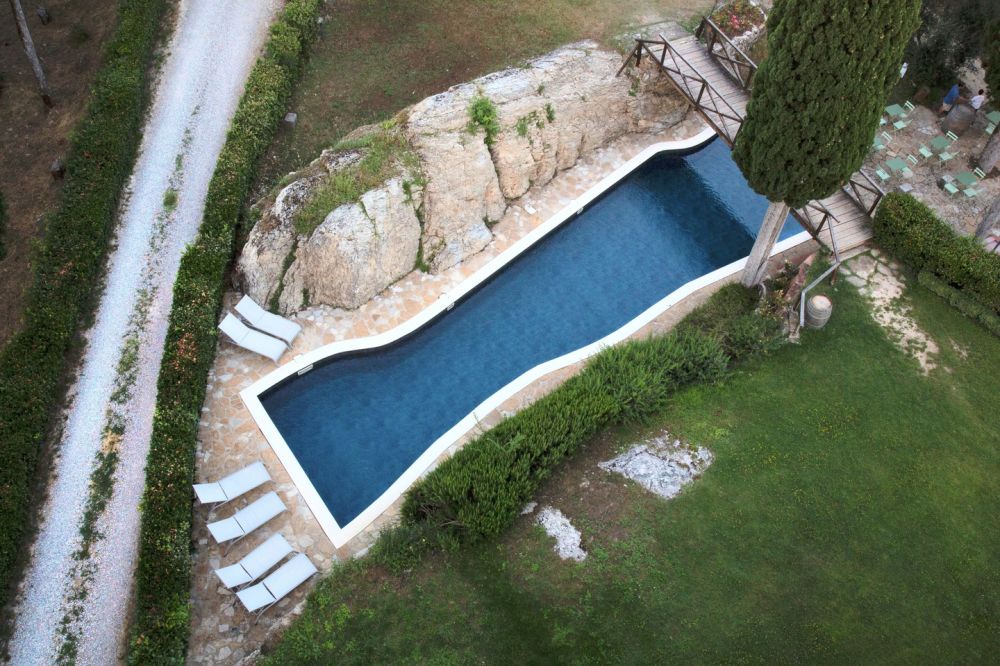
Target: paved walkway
959, 211
210, 55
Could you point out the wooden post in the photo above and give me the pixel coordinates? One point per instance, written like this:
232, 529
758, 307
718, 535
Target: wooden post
756, 268
29, 49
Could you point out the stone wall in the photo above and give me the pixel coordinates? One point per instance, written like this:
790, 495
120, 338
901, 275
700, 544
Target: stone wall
437, 213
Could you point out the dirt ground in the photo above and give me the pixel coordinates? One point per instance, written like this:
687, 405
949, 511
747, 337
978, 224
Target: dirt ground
31, 137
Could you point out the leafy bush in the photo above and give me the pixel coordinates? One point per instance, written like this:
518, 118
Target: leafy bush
912, 233
483, 113
68, 264
480, 490
736, 17
163, 578
961, 302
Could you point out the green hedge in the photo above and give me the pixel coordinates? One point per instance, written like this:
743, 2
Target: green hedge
163, 579
912, 233
68, 263
481, 489
961, 302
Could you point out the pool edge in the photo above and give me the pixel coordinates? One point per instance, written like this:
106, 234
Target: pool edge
302, 363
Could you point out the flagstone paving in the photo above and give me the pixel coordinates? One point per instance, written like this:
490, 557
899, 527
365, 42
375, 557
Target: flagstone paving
958, 210
221, 632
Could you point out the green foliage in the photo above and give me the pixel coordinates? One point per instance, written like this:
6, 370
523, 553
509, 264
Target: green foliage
522, 126
479, 491
818, 96
911, 232
961, 302
737, 16
951, 34
383, 153
68, 263
163, 578
550, 112
170, 200
483, 114
991, 57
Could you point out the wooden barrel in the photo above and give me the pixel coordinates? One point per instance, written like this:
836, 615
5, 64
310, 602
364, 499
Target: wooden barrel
818, 309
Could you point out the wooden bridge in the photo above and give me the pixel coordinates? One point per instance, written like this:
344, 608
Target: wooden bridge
716, 77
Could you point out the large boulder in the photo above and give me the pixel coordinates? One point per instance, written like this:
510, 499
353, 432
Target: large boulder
449, 185
357, 251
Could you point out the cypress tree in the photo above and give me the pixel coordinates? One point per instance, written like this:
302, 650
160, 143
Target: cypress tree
816, 102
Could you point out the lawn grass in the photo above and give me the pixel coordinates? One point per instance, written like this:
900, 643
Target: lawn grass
375, 57
850, 516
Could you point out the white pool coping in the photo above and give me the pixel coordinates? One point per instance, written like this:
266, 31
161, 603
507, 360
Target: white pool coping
302, 363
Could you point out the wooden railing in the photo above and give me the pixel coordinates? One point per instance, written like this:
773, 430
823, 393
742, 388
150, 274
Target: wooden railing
864, 191
730, 57
712, 106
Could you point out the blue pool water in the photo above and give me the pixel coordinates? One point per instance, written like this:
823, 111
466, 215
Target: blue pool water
358, 422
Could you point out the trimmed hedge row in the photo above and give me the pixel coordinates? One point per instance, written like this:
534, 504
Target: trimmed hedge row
480, 490
163, 579
912, 233
961, 302
68, 263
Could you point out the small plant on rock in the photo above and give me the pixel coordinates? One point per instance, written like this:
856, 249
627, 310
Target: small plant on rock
483, 114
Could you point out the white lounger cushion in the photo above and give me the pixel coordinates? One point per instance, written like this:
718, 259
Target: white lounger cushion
266, 321
229, 488
256, 563
246, 520
275, 587
248, 338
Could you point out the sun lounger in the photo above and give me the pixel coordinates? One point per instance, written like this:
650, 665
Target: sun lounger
258, 598
255, 341
247, 519
236, 484
256, 563
265, 321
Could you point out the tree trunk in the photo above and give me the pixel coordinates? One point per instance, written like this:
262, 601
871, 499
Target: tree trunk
29, 48
991, 153
756, 267
991, 220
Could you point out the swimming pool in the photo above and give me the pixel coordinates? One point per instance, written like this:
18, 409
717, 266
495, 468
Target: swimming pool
356, 428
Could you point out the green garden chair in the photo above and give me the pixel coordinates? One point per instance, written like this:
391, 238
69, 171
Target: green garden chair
883, 176
945, 156
925, 152
979, 173
900, 125
989, 129
911, 159
971, 193
908, 106
950, 188
952, 137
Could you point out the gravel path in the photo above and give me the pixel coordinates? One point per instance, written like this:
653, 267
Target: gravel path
213, 48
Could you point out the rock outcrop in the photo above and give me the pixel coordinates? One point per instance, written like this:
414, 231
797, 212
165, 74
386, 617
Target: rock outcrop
440, 204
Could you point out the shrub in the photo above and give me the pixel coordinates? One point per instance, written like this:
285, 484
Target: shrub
913, 234
480, 490
738, 16
961, 302
163, 577
483, 114
68, 264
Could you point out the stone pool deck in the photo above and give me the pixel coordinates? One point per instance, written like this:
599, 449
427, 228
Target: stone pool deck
221, 632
